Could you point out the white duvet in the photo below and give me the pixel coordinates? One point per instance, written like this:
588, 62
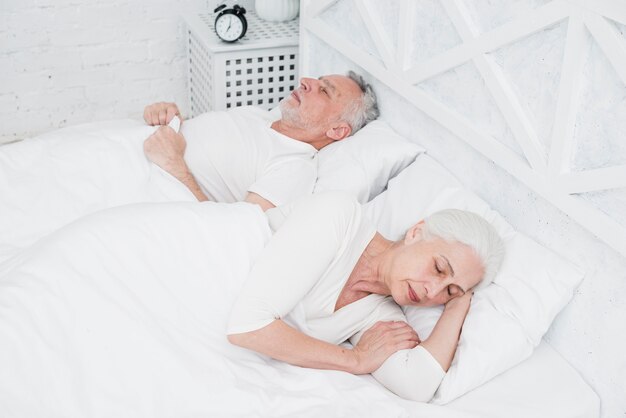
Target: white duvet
114, 308
122, 311
55, 178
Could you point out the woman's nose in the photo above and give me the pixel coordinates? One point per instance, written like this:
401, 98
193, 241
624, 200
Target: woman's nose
433, 287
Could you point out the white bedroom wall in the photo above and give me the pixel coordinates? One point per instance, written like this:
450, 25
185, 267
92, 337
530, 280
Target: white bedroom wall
64, 62
589, 332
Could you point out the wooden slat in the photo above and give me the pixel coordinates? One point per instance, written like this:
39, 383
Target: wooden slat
501, 90
522, 27
593, 180
613, 9
553, 185
315, 8
377, 33
568, 94
405, 33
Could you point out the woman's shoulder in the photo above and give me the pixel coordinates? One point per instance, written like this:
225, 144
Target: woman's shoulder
330, 201
327, 208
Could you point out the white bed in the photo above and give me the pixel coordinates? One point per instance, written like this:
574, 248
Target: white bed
112, 312
106, 303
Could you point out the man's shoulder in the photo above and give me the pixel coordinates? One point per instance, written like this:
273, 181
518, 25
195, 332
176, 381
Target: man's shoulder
255, 112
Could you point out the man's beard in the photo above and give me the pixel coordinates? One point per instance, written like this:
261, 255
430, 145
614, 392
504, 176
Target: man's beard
290, 114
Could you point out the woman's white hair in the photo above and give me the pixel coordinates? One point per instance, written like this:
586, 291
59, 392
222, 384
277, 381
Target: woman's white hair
472, 230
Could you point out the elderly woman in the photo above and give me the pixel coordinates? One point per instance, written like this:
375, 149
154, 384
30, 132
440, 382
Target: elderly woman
327, 277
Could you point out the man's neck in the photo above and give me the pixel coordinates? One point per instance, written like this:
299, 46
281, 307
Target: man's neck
299, 134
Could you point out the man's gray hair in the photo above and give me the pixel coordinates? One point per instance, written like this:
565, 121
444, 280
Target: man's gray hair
361, 112
472, 230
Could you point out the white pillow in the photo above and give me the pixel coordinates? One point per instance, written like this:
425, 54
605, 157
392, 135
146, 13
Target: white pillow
363, 163
508, 318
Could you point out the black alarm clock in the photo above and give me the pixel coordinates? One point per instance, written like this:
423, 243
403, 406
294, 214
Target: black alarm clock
230, 23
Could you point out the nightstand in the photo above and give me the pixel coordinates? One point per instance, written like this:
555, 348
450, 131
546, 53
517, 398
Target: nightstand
259, 69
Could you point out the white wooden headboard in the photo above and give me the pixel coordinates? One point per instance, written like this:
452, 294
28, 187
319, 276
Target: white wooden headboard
542, 159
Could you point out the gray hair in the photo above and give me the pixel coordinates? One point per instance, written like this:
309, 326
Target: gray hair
472, 230
361, 112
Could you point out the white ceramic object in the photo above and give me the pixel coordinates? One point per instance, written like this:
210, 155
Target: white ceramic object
277, 10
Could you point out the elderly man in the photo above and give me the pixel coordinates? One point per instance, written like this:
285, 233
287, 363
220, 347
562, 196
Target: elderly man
243, 154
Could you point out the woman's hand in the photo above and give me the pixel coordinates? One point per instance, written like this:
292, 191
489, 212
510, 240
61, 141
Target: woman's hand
160, 113
460, 303
380, 342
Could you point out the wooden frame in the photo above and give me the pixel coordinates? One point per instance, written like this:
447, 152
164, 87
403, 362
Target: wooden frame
549, 177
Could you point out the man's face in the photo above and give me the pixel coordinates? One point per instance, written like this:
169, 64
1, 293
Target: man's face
316, 104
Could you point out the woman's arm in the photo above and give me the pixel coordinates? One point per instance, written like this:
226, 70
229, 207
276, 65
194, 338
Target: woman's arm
282, 342
416, 374
442, 341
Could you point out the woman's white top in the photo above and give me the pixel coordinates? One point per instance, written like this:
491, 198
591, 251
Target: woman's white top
300, 274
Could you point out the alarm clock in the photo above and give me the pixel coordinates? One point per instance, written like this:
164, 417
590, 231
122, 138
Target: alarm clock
230, 23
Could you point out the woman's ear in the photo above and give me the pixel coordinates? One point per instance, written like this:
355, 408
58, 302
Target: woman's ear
414, 233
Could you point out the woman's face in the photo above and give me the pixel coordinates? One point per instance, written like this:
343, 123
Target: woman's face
431, 272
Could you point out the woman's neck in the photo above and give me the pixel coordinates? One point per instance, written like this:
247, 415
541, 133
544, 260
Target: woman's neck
366, 275
365, 278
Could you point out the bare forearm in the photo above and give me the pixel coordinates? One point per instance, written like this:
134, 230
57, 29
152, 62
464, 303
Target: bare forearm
282, 342
444, 338
189, 180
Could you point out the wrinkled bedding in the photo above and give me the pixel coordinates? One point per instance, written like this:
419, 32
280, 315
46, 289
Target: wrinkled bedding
115, 290
123, 312
55, 178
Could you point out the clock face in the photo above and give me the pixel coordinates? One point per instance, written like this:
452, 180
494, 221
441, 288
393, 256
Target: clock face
229, 27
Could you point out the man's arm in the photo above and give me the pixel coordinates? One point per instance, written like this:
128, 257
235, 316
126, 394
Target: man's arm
259, 200
166, 149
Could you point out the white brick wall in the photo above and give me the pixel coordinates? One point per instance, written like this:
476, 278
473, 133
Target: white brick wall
64, 62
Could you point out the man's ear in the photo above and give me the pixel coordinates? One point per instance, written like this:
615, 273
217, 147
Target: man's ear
414, 233
339, 131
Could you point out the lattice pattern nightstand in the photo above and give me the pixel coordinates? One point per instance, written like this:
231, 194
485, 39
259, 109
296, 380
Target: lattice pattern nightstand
259, 69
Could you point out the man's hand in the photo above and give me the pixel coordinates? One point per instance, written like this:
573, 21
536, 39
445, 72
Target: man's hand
160, 113
166, 149
381, 341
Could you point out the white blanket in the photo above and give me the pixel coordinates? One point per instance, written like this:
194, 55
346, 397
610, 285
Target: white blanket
53, 179
122, 313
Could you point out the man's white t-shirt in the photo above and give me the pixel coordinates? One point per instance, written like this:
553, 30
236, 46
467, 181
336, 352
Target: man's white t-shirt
235, 152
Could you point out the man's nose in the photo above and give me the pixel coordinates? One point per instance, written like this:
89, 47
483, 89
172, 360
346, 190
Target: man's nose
307, 83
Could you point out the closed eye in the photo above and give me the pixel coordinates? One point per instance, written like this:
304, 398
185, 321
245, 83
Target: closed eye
439, 270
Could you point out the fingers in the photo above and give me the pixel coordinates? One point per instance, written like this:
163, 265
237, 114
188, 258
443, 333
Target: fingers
395, 331
160, 113
171, 112
146, 115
